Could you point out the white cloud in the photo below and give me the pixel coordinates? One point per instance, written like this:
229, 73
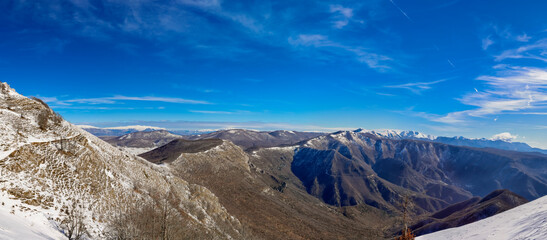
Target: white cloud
416, 87
211, 112
201, 3
116, 99
536, 51
517, 90
307, 40
523, 38
343, 15
373, 60
504, 136
486, 42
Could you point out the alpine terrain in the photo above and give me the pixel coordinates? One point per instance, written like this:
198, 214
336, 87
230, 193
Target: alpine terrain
54, 175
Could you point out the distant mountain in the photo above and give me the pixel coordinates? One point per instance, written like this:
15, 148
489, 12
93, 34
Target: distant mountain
348, 168
397, 134
140, 142
468, 211
249, 139
486, 143
457, 141
54, 175
526, 221
117, 131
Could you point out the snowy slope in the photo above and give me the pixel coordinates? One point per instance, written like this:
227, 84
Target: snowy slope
48, 166
16, 224
527, 221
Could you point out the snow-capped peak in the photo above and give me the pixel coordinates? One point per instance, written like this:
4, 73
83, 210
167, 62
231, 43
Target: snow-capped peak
397, 134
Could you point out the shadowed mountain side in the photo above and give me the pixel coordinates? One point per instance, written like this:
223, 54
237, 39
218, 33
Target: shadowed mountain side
172, 150
337, 180
344, 168
469, 211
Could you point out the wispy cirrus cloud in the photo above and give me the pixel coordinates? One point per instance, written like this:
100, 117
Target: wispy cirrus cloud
487, 42
536, 50
517, 90
217, 112
523, 38
343, 15
119, 98
416, 87
373, 60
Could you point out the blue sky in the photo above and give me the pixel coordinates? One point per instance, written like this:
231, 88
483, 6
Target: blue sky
471, 68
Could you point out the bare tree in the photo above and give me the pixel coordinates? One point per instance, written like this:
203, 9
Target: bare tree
158, 218
73, 221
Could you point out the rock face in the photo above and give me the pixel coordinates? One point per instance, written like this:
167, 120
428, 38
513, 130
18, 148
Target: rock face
140, 142
249, 139
48, 165
347, 168
468, 211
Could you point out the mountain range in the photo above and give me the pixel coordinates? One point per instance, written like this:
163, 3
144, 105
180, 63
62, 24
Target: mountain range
245, 138
245, 184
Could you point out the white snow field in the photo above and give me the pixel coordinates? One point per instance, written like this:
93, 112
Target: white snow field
18, 225
525, 222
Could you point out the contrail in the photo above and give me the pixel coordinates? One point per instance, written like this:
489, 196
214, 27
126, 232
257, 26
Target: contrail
403, 12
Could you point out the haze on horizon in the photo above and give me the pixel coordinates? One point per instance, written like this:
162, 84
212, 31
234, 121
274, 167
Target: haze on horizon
475, 69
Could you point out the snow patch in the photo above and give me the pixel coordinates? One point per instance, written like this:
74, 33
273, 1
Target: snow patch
16, 224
